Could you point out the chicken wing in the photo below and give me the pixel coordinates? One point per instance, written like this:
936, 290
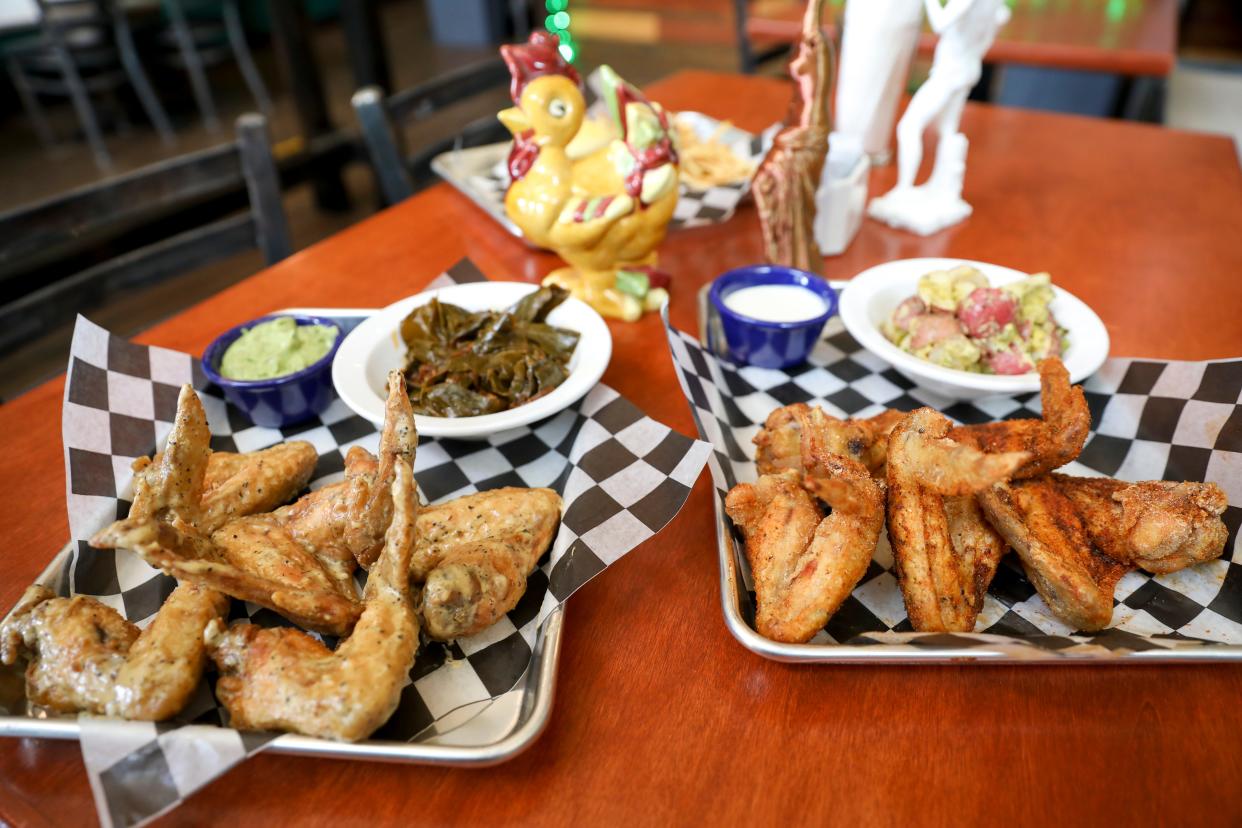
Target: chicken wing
779, 445
522, 519
476, 555
944, 557
1053, 441
1075, 580
1157, 525
804, 564
297, 560
283, 679
83, 656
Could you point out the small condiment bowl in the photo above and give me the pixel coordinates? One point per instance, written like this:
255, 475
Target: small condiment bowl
760, 342
281, 401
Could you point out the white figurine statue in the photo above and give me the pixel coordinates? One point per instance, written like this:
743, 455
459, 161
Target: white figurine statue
967, 29
877, 45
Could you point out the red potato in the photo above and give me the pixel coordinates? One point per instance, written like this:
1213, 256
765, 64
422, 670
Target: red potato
907, 311
930, 328
1011, 361
986, 311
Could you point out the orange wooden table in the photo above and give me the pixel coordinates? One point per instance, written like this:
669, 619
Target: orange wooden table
661, 717
1123, 37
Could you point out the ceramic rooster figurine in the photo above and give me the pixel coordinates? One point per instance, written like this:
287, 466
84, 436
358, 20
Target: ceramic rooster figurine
605, 214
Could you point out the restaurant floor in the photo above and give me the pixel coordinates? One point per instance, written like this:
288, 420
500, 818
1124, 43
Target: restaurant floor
1197, 98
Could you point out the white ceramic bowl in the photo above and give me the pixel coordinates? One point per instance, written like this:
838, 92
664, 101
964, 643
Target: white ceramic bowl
372, 349
870, 297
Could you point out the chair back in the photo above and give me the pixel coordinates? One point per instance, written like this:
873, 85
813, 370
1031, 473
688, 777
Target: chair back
98, 214
385, 119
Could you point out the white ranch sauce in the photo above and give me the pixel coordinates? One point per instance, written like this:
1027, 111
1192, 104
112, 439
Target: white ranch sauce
776, 303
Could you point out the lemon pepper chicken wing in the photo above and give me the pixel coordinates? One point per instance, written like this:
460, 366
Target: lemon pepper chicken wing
297, 560
1075, 580
944, 556
1052, 441
283, 679
804, 564
1158, 525
83, 656
779, 445
475, 553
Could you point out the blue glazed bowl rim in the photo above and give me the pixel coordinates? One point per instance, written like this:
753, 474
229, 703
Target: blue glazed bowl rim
215, 352
816, 284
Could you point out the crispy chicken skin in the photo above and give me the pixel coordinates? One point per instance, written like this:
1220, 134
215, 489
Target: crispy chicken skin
242, 484
85, 657
1053, 441
522, 519
779, 444
1045, 529
475, 554
943, 555
1157, 525
297, 560
283, 679
804, 564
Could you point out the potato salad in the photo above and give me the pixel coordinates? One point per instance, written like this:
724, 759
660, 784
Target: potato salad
958, 320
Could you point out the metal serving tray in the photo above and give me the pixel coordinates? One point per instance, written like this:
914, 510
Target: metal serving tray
480, 734
738, 608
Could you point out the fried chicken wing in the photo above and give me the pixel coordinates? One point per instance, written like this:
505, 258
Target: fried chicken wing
476, 555
1157, 525
1053, 441
944, 556
84, 656
283, 679
779, 445
522, 519
804, 564
297, 560
1043, 526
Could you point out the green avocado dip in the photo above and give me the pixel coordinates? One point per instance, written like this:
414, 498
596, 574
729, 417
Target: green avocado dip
276, 348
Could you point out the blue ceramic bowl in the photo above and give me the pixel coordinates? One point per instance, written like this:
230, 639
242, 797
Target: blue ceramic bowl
770, 344
282, 401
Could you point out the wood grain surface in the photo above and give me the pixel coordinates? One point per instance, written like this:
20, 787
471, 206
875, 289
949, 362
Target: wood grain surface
1131, 37
661, 717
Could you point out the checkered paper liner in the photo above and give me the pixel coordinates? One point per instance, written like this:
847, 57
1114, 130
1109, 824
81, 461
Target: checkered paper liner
1151, 420
695, 207
622, 476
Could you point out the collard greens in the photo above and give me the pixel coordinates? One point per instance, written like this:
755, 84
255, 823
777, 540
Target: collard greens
460, 363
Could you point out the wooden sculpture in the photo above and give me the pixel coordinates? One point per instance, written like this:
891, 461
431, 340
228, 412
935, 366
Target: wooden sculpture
787, 178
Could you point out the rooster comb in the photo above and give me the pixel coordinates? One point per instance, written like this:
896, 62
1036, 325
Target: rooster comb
537, 57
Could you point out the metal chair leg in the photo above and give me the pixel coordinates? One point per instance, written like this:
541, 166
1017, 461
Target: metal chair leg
193, 65
30, 102
82, 105
245, 61
138, 78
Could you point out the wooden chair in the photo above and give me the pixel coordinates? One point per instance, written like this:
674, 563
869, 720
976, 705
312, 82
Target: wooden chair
83, 48
748, 58
384, 121
99, 214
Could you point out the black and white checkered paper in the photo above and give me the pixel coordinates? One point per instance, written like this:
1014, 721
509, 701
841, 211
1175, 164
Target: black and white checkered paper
1151, 420
622, 475
695, 207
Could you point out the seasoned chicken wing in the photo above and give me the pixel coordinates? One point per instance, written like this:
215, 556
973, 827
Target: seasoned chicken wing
1075, 580
475, 554
84, 656
779, 445
297, 560
804, 564
1157, 525
283, 679
522, 519
1051, 442
944, 556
